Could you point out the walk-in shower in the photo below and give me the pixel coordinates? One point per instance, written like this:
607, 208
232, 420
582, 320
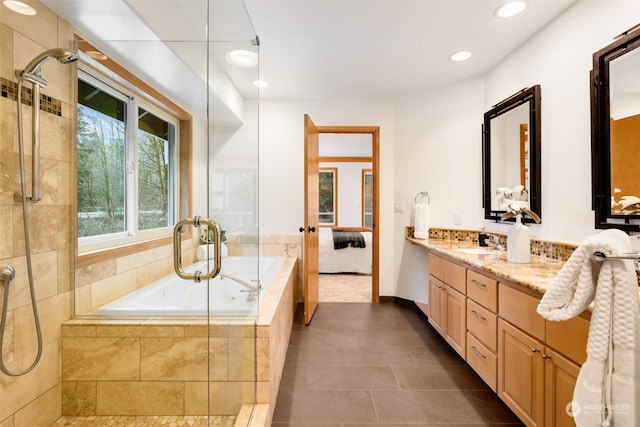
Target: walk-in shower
32, 73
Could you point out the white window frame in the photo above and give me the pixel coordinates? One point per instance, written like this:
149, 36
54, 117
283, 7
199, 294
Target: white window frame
134, 100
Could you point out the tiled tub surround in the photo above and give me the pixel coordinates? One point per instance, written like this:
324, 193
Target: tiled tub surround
159, 366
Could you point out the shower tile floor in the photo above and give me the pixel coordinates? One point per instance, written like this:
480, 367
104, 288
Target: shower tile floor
145, 421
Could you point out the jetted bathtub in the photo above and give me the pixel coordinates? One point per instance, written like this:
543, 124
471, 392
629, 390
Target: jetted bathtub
173, 296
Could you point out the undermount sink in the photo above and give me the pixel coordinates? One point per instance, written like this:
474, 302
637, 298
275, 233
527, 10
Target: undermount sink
477, 251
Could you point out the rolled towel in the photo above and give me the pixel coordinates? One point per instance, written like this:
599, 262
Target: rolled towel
421, 221
205, 252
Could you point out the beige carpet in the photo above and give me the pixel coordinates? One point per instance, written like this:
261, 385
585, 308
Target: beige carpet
345, 288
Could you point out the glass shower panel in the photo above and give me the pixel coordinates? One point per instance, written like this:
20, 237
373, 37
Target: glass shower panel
233, 194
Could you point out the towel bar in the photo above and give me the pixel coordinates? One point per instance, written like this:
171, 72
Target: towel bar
601, 256
420, 194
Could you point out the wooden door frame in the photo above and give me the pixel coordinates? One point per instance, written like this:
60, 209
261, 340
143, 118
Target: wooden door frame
374, 131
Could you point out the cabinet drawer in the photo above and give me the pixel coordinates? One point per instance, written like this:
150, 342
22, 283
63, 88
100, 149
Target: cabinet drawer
437, 266
482, 290
519, 309
449, 272
456, 277
483, 361
569, 338
483, 324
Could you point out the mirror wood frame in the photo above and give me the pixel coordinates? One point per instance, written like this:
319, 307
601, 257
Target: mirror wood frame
601, 133
532, 96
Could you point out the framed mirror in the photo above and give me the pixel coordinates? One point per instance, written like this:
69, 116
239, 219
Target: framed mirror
615, 133
511, 151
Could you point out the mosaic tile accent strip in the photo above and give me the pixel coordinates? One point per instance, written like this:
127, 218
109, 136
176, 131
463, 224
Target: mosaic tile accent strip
544, 248
48, 104
145, 421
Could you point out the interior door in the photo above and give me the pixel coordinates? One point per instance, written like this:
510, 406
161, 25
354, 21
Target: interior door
311, 209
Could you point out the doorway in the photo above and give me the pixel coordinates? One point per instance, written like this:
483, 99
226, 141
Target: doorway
330, 215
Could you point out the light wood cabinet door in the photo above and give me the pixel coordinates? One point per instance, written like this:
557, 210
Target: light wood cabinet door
456, 325
437, 305
521, 373
560, 380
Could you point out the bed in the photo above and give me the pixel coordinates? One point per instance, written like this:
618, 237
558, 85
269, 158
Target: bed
350, 258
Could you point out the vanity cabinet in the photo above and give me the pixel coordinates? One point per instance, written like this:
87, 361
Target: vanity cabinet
447, 301
538, 360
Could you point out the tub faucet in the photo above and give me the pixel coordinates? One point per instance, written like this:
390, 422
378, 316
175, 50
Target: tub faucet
493, 242
252, 289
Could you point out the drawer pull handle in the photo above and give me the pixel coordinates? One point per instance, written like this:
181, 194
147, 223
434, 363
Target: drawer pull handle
477, 353
534, 350
546, 356
475, 313
475, 282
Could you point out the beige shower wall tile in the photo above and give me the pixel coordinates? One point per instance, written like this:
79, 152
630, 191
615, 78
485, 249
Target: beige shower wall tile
151, 272
86, 331
163, 252
242, 359
219, 360
95, 272
9, 179
6, 48
173, 359
65, 267
48, 181
131, 262
195, 398
43, 411
39, 27
79, 398
45, 273
100, 359
263, 353
52, 225
65, 189
52, 313
82, 300
7, 423
6, 230
226, 398
112, 287
8, 345
140, 398
55, 135
19, 391
8, 117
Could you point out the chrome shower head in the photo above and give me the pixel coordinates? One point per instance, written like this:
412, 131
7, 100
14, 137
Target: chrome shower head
32, 71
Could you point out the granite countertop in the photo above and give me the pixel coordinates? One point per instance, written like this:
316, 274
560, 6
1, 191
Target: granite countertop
537, 275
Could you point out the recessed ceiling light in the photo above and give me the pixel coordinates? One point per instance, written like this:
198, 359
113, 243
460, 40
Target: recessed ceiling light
97, 55
510, 8
242, 58
461, 55
261, 83
19, 7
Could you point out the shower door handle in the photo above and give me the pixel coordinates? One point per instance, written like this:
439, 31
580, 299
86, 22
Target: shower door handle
198, 276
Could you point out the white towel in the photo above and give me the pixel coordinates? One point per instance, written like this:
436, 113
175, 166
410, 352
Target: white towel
609, 377
421, 221
205, 252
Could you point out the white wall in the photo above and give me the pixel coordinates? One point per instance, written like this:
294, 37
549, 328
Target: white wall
431, 140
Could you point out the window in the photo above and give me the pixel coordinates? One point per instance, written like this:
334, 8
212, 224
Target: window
328, 196
367, 198
127, 165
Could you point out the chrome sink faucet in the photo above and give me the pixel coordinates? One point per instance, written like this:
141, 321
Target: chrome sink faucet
493, 242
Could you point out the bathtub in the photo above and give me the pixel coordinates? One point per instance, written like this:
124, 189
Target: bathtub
172, 296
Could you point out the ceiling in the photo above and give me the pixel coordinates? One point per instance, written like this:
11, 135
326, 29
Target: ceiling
320, 48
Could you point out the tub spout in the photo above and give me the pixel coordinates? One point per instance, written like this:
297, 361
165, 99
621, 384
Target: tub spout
252, 287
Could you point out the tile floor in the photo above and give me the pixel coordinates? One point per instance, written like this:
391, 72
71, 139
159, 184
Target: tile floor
363, 364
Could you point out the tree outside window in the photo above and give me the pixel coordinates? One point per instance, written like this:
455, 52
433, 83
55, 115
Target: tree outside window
328, 190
